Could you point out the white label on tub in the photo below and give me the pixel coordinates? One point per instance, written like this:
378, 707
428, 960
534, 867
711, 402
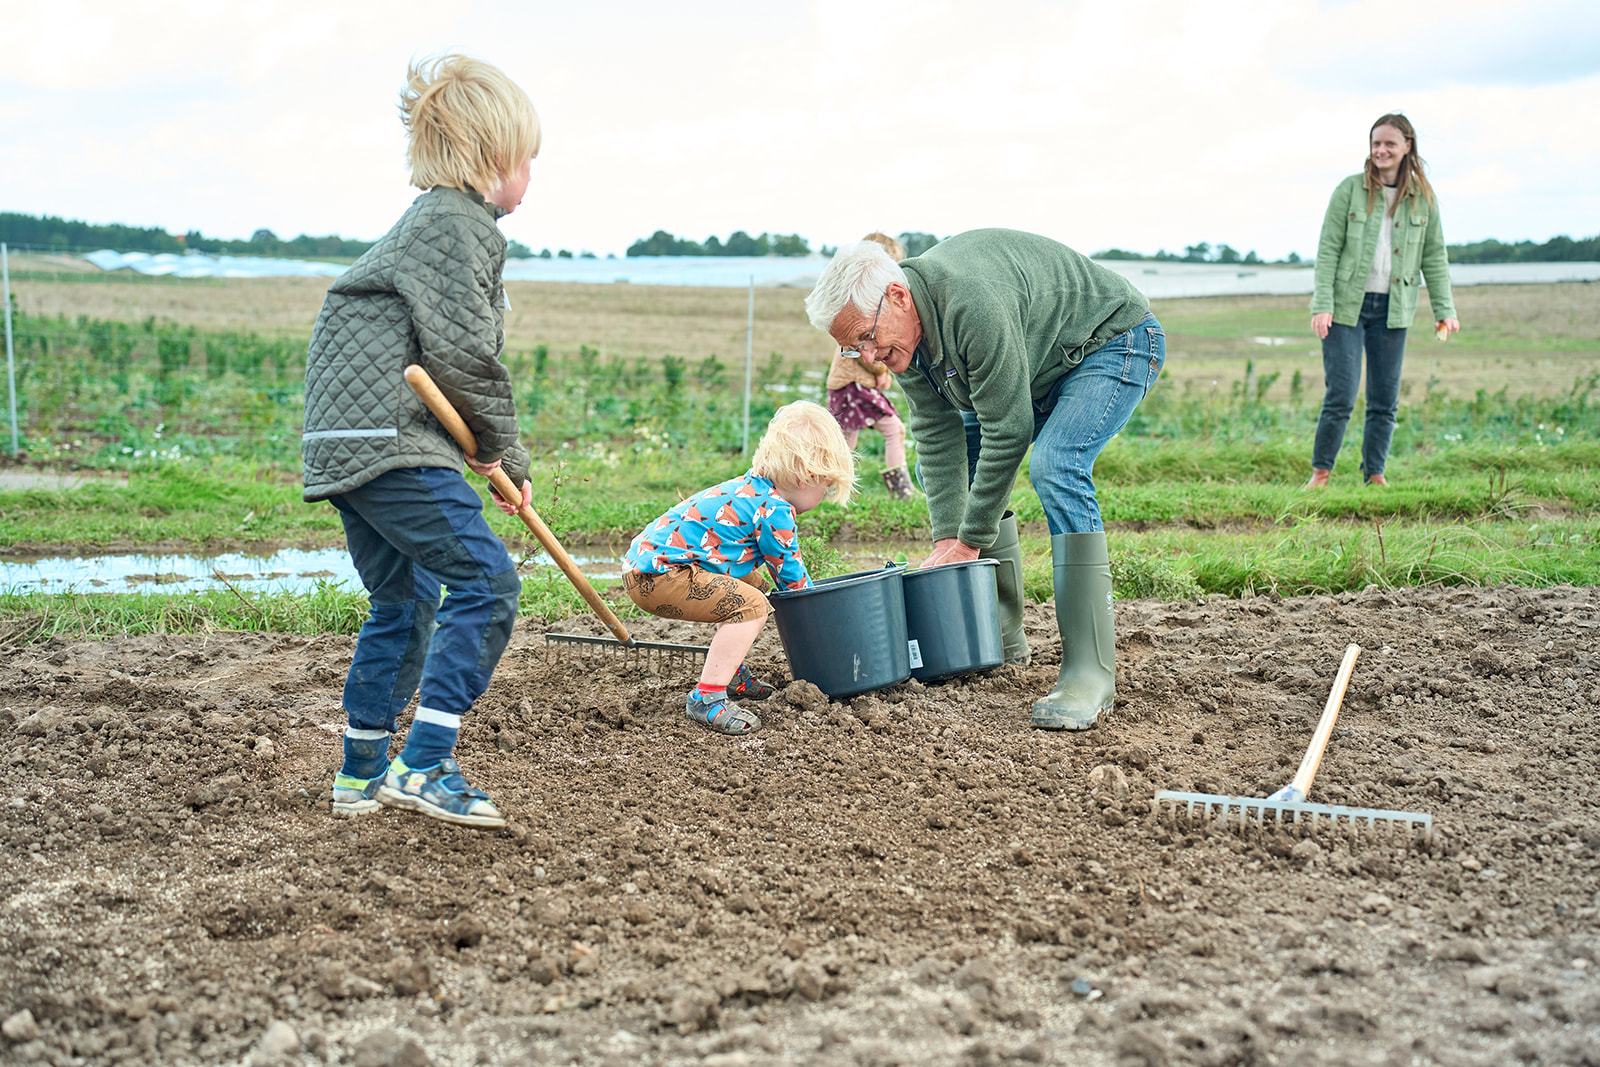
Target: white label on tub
916, 653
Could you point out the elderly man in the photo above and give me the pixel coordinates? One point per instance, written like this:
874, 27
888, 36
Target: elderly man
1010, 339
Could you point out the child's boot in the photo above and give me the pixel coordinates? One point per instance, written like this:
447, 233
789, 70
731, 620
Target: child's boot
366, 759
746, 686
717, 712
898, 481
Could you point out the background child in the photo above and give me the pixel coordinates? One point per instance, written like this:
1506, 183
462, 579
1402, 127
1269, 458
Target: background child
429, 292
699, 561
856, 398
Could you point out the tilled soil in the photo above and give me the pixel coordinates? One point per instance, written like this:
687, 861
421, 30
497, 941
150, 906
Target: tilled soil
913, 876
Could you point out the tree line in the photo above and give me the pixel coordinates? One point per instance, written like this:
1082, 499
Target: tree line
1196, 253
50, 233
739, 243
1556, 250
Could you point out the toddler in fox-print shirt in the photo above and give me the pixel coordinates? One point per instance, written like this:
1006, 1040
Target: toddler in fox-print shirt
702, 560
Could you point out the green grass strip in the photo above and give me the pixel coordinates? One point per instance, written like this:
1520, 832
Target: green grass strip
1312, 557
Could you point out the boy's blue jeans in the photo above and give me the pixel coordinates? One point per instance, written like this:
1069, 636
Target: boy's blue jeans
1341, 367
410, 532
1086, 408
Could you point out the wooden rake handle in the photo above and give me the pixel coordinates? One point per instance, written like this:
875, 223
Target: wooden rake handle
500, 482
1330, 716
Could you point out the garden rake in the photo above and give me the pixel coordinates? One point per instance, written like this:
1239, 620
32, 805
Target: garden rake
436, 402
1288, 806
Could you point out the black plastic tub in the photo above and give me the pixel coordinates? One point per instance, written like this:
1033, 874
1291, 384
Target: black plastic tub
846, 635
953, 619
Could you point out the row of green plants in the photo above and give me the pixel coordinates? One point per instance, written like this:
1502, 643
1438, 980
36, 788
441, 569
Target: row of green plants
1202, 492
113, 394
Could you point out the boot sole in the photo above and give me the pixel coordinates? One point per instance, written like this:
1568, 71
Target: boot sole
355, 809
1068, 725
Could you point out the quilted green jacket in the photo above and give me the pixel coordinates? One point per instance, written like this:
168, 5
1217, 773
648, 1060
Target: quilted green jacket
429, 292
1345, 250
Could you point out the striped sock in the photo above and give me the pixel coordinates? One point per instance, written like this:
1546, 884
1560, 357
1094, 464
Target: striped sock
432, 738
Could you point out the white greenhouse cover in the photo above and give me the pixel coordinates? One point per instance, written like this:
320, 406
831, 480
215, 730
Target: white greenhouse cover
200, 265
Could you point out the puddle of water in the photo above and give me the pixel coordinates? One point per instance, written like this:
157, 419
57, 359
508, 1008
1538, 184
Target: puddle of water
15, 481
289, 571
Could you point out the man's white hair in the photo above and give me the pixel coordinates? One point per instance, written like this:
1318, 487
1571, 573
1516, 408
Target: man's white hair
857, 276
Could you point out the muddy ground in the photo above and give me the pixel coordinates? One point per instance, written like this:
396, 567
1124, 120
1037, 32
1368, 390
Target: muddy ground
911, 877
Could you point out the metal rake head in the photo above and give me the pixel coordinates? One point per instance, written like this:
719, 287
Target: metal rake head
1244, 812
649, 652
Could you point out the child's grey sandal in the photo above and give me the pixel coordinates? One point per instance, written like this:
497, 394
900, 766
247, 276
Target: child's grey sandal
721, 715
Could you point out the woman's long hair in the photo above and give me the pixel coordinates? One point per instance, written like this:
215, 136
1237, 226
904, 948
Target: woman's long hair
1410, 181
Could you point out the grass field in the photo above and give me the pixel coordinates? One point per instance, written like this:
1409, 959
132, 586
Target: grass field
631, 397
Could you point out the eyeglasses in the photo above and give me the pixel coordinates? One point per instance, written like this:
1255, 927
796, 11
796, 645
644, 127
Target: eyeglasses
862, 347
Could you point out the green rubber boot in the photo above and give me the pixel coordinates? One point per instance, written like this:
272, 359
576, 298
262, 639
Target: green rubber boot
1007, 548
1087, 685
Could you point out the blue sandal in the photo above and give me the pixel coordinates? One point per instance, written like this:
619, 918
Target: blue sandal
440, 792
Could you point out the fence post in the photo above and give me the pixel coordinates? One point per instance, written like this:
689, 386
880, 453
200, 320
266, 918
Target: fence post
749, 358
11, 372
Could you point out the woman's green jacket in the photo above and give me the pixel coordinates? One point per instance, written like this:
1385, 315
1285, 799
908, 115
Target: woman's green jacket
1344, 256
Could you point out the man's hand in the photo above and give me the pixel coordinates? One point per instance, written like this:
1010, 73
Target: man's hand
1321, 322
949, 550
509, 508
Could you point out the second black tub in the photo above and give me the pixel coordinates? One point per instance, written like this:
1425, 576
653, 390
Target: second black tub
953, 619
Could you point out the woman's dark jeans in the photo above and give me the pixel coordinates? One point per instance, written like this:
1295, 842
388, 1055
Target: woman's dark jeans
1341, 367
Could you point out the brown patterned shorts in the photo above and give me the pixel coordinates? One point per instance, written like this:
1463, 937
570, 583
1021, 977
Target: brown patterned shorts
699, 595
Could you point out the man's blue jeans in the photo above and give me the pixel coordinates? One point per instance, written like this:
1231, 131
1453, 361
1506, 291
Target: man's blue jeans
412, 532
1341, 367
1086, 408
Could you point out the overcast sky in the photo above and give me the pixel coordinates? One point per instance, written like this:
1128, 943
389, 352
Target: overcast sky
1142, 125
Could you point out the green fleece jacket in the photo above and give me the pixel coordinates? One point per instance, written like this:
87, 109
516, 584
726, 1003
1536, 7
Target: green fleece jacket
429, 292
1004, 315
1349, 239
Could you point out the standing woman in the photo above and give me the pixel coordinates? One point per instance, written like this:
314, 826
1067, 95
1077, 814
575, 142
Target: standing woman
1368, 262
